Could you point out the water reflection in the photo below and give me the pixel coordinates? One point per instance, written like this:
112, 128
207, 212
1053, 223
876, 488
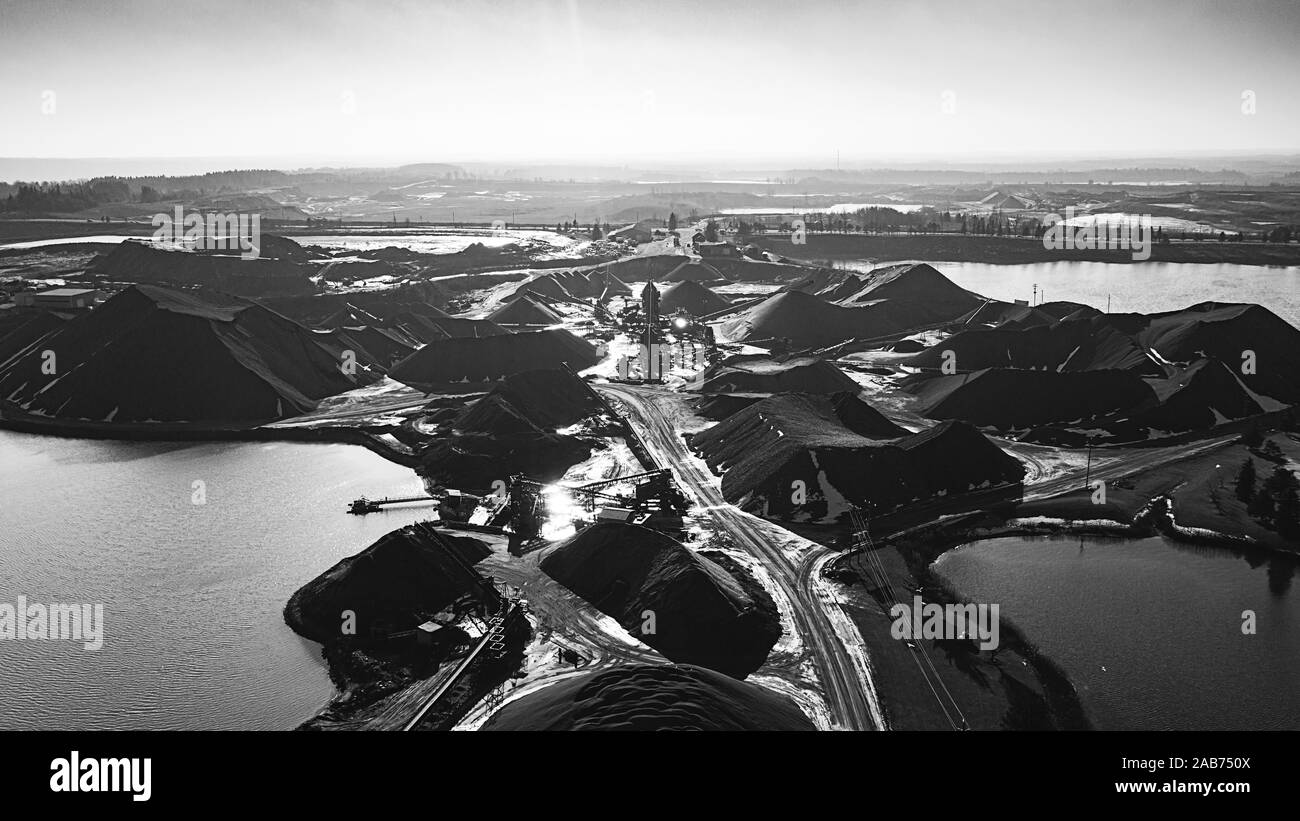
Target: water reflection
1149, 630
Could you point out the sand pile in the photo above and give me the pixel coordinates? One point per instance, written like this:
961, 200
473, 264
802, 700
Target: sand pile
388, 342
393, 253
355, 270
639, 269
844, 453
1012, 398
1198, 397
762, 374
809, 321
703, 613
691, 297
904, 346
815, 280
545, 399
547, 285
152, 354
275, 246
364, 307
748, 270
1009, 315
569, 286
142, 261
377, 344
651, 697
349, 315
491, 358
919, 285
514, 430
433, 329
526, 309
394, 584
894, 299
1070, 345
473, 461
1223, 332
694, 271
613, 286
804, 420
718, 406
1133, 375
26, 333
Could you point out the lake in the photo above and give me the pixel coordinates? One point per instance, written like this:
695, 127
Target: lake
1149, 630
193, 595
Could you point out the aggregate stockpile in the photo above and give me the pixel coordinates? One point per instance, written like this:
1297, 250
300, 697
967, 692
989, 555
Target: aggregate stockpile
491, 358
639, 269
282, 267
702, 613
394, 584
358, 329
391, 331
155, 355
1132, 376
357, 270
526, 310
759, 373
575, 286
313, 309
691, 297
694, 271
830, 307
845, 454
513, 429
651, 697
403, 313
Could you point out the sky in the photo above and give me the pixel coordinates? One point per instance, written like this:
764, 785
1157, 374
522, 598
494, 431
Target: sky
614, 81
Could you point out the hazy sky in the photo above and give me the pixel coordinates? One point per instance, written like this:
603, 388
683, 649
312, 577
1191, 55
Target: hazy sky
620, 81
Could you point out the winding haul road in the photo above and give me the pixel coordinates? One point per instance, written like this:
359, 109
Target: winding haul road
827, 638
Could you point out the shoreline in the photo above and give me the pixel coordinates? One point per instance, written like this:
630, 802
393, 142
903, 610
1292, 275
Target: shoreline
909, 567
180, 432
1016, 250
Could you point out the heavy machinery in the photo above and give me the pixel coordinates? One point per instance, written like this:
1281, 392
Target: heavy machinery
655, 502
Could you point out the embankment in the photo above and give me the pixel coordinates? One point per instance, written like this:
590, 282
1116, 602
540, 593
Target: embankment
1012, 250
